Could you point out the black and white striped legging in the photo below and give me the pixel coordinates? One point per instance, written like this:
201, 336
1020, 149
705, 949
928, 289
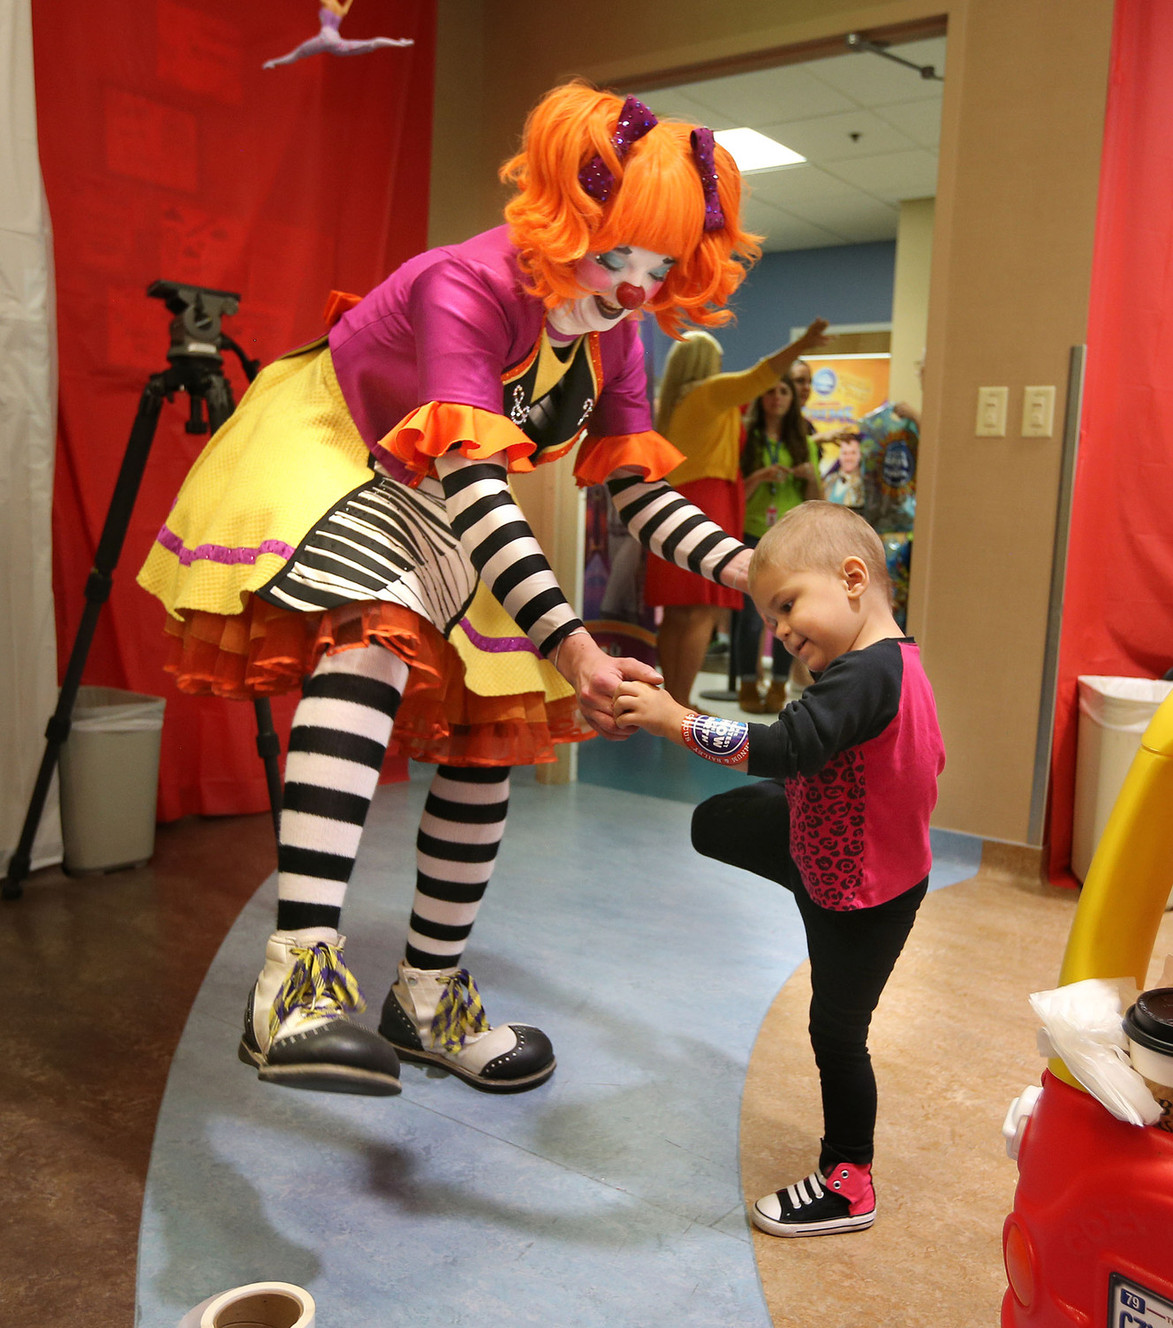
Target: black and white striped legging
343, 724
340, 733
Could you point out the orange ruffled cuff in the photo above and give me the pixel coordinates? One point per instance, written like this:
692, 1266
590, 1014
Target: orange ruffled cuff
647, 451
431, 430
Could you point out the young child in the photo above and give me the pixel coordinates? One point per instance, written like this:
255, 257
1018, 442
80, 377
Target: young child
840, 817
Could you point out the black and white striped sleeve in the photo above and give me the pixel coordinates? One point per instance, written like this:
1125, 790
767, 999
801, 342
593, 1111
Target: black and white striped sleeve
501, 546
673, 528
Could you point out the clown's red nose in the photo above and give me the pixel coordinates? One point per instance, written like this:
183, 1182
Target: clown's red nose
629, 296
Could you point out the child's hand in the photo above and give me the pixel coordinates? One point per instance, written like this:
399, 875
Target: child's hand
650, 708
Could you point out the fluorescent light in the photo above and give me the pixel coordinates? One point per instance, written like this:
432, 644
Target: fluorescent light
755, 152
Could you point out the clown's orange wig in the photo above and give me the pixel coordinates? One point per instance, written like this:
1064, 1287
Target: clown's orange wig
657, 202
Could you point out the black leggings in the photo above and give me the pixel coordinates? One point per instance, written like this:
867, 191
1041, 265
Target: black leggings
851, 956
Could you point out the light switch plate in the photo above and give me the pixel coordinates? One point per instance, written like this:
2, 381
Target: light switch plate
991, 412
1038, 412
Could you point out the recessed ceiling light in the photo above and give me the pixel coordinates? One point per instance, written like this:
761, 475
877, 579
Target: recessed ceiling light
755, 152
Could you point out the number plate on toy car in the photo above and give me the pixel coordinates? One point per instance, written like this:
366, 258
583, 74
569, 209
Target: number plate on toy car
1132, 1306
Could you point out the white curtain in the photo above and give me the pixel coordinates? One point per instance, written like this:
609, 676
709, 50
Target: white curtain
28, 398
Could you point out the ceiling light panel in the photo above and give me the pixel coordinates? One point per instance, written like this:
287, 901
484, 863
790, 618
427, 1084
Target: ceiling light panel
753, 151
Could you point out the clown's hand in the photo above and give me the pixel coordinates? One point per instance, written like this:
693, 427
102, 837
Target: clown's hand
595, 675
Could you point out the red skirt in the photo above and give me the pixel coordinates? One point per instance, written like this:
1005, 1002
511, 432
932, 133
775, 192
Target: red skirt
722, 501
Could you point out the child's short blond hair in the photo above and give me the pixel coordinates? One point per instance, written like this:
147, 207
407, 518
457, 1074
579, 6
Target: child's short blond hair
817, 536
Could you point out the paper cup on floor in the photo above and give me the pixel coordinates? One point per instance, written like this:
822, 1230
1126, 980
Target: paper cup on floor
257, 1305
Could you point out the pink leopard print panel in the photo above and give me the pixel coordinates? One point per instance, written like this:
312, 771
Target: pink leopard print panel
827, 830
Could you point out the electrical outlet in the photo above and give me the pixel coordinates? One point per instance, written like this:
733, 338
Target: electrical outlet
1038, 412
991, 412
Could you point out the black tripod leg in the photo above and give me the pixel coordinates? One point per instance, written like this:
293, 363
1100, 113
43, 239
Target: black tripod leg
97, 592
269, 750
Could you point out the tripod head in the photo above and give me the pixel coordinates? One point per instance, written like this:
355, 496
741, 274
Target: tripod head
195, 329
196, 342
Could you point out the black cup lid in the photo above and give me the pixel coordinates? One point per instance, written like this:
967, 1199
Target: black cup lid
1150, 1020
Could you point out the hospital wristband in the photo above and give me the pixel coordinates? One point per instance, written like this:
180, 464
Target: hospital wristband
723, 741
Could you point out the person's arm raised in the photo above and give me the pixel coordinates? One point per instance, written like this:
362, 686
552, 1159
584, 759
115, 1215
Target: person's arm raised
814, 337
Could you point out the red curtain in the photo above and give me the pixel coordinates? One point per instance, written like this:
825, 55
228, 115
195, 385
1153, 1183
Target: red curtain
1118, 605
169, 152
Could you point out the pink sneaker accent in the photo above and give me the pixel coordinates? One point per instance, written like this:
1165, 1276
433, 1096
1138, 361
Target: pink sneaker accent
854, 1183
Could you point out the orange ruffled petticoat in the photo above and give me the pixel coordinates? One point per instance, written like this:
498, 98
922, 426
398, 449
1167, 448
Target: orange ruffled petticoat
266, 650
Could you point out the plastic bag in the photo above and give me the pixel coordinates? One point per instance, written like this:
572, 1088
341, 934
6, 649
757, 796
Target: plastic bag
1083, 1024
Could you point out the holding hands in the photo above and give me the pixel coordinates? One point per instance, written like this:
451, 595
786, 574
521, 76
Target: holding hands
637, 705
596, 678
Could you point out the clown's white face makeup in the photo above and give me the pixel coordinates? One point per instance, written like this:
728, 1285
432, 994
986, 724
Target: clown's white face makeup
621, 280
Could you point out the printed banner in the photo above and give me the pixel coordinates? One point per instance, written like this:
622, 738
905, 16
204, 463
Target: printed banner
844, 388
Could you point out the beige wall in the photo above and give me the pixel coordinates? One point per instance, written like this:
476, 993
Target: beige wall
910, 299
1012, 243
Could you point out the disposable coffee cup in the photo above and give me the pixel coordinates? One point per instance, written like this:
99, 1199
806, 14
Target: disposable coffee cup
1149, 1026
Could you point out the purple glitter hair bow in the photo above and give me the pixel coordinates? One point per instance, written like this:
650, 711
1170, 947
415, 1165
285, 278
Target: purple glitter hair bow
635, 120
702, 149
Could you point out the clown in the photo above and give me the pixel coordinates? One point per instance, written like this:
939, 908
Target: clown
352, 525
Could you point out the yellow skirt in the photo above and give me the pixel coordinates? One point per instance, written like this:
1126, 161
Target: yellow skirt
478, 696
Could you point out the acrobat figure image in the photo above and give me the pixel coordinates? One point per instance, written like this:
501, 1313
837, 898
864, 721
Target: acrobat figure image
328, 42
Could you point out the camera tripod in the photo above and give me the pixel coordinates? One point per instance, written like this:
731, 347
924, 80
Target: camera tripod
195, 368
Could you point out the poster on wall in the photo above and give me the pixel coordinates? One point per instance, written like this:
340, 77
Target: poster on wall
844, 388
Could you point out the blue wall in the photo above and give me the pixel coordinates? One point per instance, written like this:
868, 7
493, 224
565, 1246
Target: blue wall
845, 284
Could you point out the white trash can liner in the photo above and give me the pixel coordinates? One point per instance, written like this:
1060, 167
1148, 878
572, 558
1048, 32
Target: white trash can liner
109, 780
1113, 715
1125, 705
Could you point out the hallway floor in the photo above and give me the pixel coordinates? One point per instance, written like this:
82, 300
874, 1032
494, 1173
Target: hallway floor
150, 1169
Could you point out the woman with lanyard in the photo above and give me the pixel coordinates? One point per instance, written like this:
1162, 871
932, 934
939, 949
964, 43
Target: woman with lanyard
699, 410
780, 463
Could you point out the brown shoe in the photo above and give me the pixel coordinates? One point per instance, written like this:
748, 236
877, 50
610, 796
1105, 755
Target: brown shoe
749, 698
775, 697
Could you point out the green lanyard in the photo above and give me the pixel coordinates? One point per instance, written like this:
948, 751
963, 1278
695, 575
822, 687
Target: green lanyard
773, 447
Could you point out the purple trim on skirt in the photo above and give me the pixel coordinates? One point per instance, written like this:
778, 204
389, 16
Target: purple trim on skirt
497, 644
220, 553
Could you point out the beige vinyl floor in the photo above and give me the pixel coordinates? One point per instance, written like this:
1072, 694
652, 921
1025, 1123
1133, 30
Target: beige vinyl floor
954, 1043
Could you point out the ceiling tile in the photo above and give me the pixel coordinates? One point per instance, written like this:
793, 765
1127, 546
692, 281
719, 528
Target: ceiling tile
783, 231
854, 219
874, 80
787, 92
891, 176
918, 120
830, 137
791, 183
683, 104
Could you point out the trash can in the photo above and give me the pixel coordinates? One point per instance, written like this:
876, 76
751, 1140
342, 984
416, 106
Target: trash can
109, 780
1113, 715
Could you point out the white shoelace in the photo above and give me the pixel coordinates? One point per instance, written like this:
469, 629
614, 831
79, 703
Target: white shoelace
806, 1191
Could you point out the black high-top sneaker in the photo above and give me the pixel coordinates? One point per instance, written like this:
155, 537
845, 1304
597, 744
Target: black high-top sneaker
843, 1199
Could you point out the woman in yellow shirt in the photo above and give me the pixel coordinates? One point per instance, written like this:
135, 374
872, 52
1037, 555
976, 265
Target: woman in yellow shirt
699, 410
